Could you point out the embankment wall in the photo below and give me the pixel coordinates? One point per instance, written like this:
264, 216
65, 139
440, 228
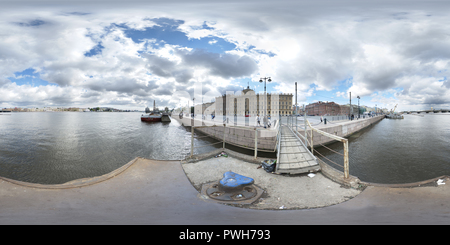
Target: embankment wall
342, 129
245, 136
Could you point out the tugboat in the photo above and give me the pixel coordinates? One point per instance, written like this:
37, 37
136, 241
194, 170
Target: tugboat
151, 116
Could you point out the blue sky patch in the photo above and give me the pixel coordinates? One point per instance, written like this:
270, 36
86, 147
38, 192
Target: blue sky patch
168, 32
95, 50
28, 77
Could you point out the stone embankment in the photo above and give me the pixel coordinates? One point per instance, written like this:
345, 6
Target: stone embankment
244, 136
241, 136
340, 128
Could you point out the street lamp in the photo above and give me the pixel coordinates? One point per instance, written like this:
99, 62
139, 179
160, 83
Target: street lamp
193, 105
358, 106
265, 102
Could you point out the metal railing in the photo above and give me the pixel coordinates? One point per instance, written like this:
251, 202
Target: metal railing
277, 126
192, 138
335, 137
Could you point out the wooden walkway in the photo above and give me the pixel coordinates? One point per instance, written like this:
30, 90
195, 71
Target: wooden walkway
293, 156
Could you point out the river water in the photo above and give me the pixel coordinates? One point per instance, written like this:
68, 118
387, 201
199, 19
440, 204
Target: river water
395, 151
53, 148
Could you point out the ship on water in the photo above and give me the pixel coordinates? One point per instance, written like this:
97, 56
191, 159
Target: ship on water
5, 112
394, 115
151, 116
155, 115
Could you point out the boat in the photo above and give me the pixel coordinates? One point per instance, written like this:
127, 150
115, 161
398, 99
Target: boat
151, 116
4, 112
165, 117
394, 116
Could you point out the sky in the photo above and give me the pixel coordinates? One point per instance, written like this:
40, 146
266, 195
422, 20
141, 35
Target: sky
127, 54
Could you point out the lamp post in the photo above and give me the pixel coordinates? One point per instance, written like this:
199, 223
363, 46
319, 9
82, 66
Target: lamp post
358, 106
193, 105
265, 102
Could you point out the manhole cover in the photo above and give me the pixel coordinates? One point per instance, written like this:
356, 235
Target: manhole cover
247, 195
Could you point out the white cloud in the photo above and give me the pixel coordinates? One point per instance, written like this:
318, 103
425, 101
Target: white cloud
377, 47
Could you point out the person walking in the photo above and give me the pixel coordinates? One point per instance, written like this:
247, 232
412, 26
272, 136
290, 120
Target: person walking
258, 120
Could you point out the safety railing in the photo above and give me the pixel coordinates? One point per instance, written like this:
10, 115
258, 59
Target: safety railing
335, 137
192, 138
222, 140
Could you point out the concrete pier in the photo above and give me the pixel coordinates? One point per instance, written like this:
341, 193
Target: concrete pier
244, 136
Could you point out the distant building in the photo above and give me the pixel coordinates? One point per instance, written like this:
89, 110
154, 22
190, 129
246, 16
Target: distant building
325, 109
250, 103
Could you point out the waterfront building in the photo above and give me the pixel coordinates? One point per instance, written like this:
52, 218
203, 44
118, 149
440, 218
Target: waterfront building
252, 104
321, 108
324, 108
204, 109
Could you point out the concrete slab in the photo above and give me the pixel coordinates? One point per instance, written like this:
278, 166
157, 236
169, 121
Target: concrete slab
159, 192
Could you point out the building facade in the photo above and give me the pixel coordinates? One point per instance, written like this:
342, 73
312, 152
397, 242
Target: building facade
252, 104
321, 108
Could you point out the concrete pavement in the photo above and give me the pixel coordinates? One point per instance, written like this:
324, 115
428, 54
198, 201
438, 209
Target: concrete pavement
161, 192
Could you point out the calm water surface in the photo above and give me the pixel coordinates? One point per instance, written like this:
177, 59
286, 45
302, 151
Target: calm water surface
53, 148
398, 151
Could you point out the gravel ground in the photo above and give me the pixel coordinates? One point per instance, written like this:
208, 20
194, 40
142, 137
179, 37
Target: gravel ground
281, 191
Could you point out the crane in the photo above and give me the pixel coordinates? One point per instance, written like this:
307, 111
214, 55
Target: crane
392, 110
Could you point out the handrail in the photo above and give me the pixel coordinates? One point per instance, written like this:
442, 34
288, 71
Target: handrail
301, 141
278, 145
335, 137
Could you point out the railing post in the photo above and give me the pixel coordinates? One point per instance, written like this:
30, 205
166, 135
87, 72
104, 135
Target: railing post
192, 140
304, 121
346, 172
223, 146
256, 142
312, 143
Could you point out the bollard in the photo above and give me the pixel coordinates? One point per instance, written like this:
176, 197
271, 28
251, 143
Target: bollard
325, 121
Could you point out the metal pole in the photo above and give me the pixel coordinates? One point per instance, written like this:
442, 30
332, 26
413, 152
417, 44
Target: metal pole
223, 146
346, 172
265, 100
192, 140
350, 109
256, 142
295, 111
304, 120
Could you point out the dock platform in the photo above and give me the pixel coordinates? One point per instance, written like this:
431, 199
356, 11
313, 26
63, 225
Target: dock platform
294, 157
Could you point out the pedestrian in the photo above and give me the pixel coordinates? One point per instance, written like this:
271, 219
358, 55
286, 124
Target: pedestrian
321, 118
258, 120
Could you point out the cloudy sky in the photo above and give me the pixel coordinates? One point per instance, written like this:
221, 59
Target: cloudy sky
126, 54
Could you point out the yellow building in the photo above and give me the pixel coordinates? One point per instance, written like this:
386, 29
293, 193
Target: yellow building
250, 103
